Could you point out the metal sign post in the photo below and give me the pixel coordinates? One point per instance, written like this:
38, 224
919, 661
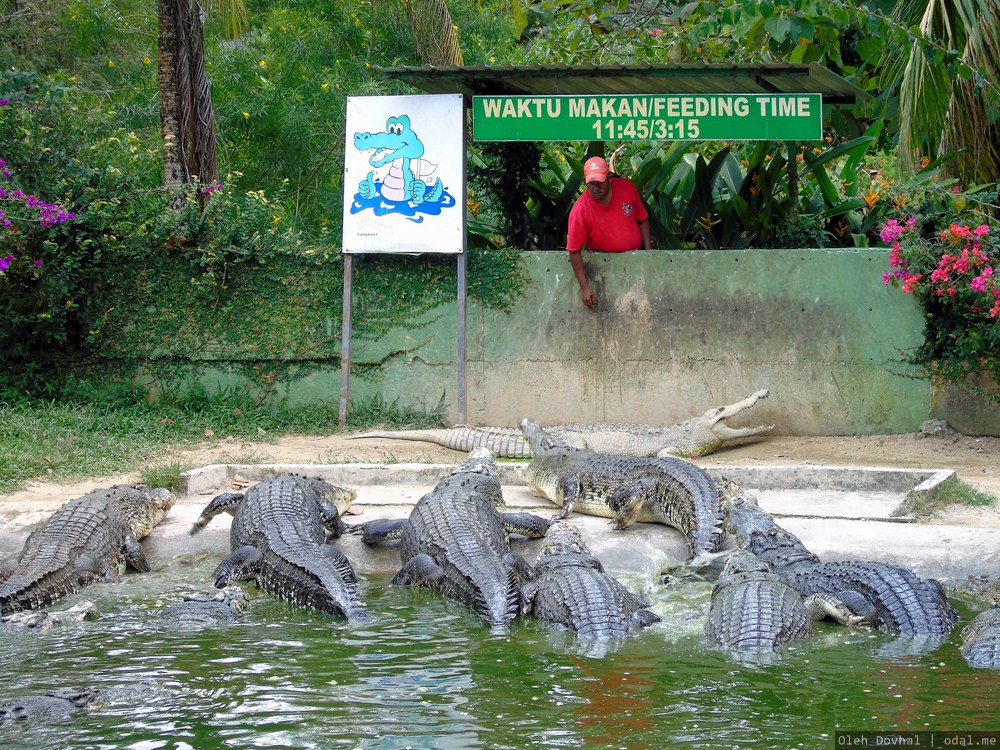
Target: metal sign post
404, 193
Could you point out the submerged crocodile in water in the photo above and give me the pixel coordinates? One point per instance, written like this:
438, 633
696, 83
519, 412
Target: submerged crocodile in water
570, 590
279, 540
54, 704
456, 541
754, 609
887, 597
207, 607
981, 639
697, 436
89, 539
627, 488
38, 621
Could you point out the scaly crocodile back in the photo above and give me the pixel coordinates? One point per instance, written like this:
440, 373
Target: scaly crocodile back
571, 590
83, 541
900, 602
460, 528
981, 639
753, 609
671, 490
282, 519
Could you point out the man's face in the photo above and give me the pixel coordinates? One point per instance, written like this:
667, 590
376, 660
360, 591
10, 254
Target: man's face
599, 191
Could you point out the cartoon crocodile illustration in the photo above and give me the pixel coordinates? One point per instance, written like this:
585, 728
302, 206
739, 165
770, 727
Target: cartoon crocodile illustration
400, 148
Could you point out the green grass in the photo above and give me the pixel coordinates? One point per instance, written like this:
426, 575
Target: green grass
69, 441
950, 492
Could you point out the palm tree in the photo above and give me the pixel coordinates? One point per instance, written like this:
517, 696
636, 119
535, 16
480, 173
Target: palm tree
187, 120
949, 102
434, 33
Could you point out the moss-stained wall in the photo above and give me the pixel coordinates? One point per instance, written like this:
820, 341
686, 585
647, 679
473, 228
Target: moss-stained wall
675, 333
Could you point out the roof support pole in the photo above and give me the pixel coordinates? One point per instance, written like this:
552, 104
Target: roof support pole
793, 178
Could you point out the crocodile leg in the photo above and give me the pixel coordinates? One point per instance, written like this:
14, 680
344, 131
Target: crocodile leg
134, 555
569, 488
378, 530
227, 502
525, 524
627, 501
819, 606
242, 565
420, 570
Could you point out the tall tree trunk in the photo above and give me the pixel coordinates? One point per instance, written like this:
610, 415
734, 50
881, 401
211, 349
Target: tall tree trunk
187, 120
433, 31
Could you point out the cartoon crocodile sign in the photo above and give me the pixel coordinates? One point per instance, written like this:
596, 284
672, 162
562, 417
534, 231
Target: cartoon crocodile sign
404, 174
400, 148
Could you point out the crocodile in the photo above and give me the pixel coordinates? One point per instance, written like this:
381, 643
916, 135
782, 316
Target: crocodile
207, 607
571, 591
38, 621
54, 704
753, 609
91, 538
879, 595
689, 438
981, 639
279, 539
457, 541
628, 489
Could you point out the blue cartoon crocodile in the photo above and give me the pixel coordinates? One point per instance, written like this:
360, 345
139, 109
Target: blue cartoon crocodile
400, 148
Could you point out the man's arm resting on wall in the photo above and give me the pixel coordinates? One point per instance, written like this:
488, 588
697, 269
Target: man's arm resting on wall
647, 242
586, 293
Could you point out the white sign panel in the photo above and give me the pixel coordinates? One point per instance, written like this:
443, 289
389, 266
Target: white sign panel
404, 174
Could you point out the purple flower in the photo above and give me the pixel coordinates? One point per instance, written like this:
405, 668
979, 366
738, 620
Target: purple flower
38, 263
5, 262
4, 102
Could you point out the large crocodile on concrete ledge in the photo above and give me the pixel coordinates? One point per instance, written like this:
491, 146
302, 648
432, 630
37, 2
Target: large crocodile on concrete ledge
698, 436
887, 597
279, 539
456, 541
569, 589
89, 539
627, 488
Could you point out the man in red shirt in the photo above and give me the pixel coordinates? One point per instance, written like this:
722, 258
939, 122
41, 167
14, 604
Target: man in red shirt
609, 217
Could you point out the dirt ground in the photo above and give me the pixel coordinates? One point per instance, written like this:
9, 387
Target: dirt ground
975, 459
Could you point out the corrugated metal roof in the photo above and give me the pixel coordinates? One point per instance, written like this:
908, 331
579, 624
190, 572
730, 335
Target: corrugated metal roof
612, 80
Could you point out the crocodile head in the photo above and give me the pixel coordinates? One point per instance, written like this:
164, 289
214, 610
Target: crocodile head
143, 508
340, 497
561, 539
708, 432
539, 439
756, 531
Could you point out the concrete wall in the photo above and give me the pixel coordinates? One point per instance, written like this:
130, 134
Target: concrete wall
675, 334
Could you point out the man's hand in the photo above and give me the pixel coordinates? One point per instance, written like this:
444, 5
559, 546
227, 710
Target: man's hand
588, 297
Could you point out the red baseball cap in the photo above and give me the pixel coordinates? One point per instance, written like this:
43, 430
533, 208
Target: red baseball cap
595, 169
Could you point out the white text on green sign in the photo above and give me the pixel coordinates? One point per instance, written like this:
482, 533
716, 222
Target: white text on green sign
660, 117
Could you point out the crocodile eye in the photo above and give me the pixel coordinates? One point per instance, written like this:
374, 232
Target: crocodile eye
395, 129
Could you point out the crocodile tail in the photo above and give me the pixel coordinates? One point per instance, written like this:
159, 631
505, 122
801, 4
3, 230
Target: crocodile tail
319, 586
27, 592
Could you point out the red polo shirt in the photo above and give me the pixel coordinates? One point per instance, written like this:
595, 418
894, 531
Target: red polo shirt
611, 229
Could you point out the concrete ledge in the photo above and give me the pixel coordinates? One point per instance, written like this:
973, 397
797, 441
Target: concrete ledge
838, 512
800, 476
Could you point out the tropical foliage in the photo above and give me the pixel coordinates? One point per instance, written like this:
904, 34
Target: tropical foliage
81, 129
948, 256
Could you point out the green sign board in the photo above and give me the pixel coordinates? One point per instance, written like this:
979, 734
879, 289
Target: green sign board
648, 117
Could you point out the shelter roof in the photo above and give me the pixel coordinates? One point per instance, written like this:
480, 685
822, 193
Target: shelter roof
626, 80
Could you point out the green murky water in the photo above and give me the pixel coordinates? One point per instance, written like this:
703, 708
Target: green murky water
426, 674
